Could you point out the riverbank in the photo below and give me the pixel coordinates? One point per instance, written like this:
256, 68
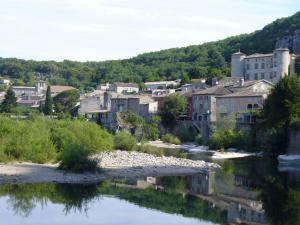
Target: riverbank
116, 164
192, 148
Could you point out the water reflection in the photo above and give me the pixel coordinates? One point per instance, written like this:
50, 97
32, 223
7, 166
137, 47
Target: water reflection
248, 191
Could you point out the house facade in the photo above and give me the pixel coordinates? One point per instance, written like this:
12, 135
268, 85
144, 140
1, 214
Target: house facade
270, 67
123, 88
204, 108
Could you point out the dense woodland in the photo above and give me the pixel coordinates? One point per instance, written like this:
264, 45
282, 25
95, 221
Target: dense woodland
206, 60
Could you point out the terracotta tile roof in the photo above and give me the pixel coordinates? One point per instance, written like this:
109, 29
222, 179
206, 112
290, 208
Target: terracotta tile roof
60, 88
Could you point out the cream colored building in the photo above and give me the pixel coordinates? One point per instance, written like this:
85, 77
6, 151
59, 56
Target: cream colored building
270, 67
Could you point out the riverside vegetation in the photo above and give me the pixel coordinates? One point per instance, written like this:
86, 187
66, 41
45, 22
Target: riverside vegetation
40, 139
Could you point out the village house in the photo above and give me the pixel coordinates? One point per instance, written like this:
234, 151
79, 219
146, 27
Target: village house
247, 97
204, 108
142, 105
31, 96
39, 88
162, 84
193, 87
123, 88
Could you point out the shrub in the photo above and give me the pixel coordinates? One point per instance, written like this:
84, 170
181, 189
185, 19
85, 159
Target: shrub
226, 139
124, 141
41, 139
170, 138
187, 134
77, 158
151, 130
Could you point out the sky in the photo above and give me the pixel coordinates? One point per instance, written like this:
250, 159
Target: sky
97, 30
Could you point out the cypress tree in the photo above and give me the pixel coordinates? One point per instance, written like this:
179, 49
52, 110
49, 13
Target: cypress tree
10, 101
297, 65
48, 103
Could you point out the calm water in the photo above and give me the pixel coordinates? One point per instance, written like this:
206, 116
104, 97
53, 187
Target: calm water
246, 191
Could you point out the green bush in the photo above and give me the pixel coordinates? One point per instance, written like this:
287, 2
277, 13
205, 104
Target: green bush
170, 138
187, 134
77, 158
199, 140
226, 139
124, 141
41, 139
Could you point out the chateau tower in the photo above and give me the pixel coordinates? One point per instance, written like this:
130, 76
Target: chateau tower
281, 62
237, 64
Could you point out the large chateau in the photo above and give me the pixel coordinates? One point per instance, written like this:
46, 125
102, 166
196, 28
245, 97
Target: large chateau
270, 67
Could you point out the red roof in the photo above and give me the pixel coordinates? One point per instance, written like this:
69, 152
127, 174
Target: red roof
60, 88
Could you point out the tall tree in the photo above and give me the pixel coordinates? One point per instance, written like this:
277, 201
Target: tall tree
174, 106
10, 101
65, 101
297, 65
282, 106
185, 79
48, 109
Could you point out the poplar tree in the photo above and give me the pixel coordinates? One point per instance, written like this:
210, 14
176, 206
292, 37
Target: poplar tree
48, 108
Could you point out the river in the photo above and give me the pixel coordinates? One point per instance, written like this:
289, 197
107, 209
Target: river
250, 190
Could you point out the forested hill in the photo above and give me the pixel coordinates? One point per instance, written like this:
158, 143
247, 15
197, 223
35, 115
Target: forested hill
205, 60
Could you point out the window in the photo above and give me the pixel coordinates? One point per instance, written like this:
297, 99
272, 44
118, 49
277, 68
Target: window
275, 63
275, 74
247, 76
205, 117
255, 106
200, 118
256, 66
249, 107
271, 75
256, 76
247, 66
262, 76
263, 65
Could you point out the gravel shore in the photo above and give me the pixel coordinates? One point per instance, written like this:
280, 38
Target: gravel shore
116, 164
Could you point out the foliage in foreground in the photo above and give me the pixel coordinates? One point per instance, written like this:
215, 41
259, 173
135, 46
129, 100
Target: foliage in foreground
170, 138
124, 141
281, 108
43, 140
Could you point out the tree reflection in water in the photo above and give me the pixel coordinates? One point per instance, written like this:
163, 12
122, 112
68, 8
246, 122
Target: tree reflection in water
24, 198
281, 203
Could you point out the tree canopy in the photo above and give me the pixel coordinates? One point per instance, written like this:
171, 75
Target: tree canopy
282, 107
174, 106
65, 101
10, 101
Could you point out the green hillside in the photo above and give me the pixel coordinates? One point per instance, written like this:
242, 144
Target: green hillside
206, 60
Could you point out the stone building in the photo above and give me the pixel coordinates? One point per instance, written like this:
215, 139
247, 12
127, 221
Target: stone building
123, 88
246, 97
204, 108
270, 67
115, 103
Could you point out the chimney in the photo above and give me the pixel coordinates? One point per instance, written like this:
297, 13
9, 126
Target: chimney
241, 82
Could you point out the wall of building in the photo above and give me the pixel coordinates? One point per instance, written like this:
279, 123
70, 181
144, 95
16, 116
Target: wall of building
226, 106
270, 67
